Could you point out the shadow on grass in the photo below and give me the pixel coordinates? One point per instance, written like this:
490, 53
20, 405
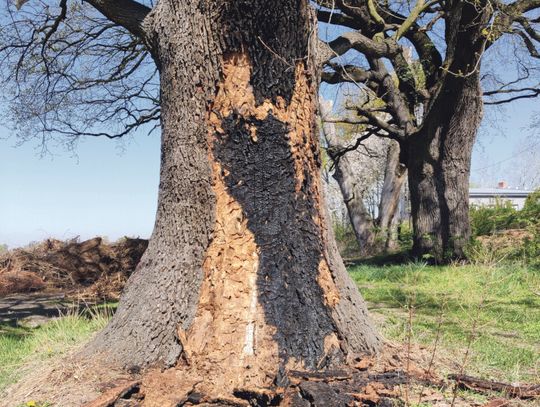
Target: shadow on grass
21, 315
389, 259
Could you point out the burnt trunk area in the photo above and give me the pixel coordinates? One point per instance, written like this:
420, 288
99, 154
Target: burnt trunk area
241, 280
439, 155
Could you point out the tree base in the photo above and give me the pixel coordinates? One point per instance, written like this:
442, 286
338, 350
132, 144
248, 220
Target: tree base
341, 387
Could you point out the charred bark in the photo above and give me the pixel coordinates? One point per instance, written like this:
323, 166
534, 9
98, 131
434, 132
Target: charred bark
241, 280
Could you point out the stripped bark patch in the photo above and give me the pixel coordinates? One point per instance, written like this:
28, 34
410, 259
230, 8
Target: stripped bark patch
121, 391
325, 280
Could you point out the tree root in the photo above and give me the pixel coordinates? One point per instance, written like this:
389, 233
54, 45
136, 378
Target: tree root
328, 388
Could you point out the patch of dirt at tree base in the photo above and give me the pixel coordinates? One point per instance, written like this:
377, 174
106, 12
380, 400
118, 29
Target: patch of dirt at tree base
92, 269
66, 381
397, 376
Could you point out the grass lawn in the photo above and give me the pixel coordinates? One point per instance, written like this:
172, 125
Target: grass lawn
492, 310
20, 345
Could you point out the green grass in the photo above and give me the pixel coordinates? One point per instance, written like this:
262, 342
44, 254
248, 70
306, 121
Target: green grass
495, 309
20, 345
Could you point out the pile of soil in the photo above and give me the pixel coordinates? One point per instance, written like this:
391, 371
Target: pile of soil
88, 269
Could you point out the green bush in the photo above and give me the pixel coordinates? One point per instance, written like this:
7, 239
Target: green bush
518, 245
486, 220
530, 214
346, 239
405, 236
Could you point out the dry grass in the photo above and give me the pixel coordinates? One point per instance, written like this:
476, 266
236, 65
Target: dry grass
66, 381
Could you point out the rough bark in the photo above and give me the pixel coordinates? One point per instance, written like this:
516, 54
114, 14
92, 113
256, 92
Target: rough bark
395, 174
439, 155
359, 216
241, 280
439, 170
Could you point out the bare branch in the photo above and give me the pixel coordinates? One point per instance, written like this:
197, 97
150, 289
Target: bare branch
127, 13
337, 18
346, 73
529, 44
393, 131
522, 93
359, 42
69, 72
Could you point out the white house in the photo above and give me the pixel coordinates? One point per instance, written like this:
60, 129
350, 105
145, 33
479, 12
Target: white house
490, 196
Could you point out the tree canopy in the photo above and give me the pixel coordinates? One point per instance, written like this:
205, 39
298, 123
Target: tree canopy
409, 48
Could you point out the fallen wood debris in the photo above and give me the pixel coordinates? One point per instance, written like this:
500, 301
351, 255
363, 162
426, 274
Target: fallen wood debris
89, 269
522, 391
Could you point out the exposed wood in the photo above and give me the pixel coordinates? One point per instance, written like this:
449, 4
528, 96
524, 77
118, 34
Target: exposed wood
110, 397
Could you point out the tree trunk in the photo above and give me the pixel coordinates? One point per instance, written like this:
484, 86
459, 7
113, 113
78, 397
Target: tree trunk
439, 155
395, 174
351, 191
439, 169
241, 280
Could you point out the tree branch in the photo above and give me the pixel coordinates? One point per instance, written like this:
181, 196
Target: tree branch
372, 118
359, 42
525, 23
529, 44
532, 93
329, 17
346, 73
126, 13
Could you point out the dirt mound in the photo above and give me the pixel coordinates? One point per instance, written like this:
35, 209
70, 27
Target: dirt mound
92, 268
20, 282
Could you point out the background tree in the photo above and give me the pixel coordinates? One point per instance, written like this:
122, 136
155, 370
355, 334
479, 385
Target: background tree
241, 280
370, 179
523, 168
432, 96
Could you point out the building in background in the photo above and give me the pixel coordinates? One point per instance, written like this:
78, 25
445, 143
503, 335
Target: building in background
501, 194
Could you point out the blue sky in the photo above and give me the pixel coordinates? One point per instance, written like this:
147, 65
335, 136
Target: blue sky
110, 188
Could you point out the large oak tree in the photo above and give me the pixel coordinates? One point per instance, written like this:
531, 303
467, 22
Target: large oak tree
431, 100
241, 280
